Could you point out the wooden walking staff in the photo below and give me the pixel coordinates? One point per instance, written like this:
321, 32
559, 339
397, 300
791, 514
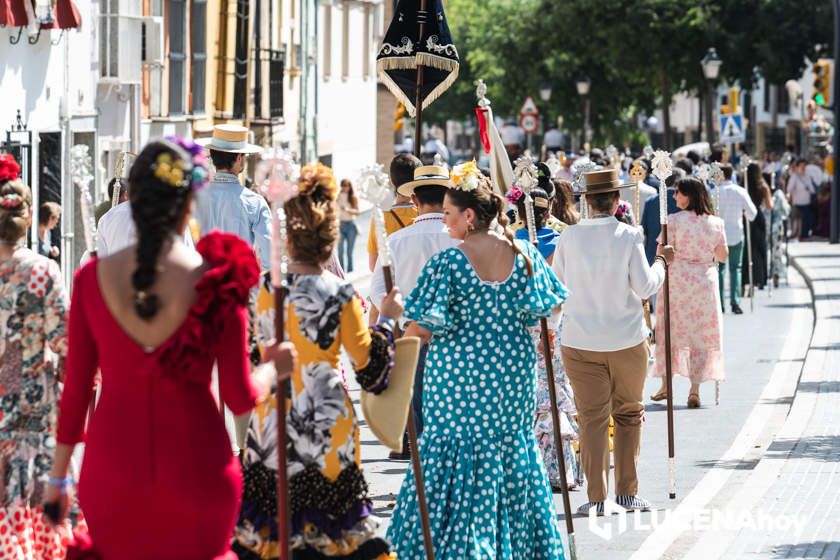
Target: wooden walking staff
715, 175
637, 174
745, 164
374, 185
526, 175
662, 169
81, 169
276, 174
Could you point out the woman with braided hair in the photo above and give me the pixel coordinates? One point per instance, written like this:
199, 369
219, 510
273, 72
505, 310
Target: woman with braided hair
329, 506
489, 496
159, 479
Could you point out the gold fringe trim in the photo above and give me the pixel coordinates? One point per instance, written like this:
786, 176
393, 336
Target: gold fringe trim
409, 63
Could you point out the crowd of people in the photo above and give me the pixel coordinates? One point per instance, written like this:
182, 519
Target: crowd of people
163, 360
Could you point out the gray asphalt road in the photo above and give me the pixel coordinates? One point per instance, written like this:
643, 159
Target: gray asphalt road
753, 344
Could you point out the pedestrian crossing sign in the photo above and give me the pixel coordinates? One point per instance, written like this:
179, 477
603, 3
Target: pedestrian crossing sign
732, 129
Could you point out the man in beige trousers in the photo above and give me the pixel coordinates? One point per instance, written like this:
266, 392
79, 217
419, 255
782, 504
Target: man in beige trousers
604, 337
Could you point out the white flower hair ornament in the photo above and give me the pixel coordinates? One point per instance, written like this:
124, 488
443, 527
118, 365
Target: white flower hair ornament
465, 177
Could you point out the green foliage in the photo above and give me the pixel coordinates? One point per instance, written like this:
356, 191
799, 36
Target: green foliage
637, 53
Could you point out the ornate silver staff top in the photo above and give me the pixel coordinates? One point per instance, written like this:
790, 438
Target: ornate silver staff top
374, 185
648, 152
481, 93
526, 179
579, 184
81, 169
276, 174
554, 165
704, 172
662, 169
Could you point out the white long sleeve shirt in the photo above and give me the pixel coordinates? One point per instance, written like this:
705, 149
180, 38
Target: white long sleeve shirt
734, 203
800, 188
602, 262
411, 248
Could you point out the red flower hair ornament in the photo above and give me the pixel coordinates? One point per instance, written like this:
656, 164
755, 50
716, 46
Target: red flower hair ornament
9, 168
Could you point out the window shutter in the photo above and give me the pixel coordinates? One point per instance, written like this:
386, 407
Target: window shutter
199, 56
177, 55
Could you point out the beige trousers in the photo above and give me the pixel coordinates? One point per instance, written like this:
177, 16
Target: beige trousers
608, 383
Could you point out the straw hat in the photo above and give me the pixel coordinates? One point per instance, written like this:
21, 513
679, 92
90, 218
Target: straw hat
426, 175
386, 413
598, 182
230, 138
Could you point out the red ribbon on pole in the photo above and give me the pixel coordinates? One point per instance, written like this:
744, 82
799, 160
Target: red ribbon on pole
481, 113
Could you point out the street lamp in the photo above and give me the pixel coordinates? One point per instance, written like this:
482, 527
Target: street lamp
545, 91
545, 95
711, 67
583, 83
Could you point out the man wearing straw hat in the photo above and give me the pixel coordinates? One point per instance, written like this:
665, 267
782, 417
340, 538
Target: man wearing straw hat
605, 348
225, 204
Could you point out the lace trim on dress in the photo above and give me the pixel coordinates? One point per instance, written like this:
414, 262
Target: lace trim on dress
374, 376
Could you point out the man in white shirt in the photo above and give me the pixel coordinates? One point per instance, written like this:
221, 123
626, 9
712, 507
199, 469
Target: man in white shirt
735, 203
116, 231
800, 189
412, 247
604, 337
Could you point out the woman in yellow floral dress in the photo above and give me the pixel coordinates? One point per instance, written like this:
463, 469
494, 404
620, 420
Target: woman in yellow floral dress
329, 507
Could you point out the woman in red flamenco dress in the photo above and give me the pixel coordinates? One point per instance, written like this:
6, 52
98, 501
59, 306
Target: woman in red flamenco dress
159, 480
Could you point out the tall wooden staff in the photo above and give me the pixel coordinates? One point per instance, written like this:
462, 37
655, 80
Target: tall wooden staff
276, 174
712, 173
118, 172
745, 164
526, 174
662, 169
375, 186
637, 174
81, 169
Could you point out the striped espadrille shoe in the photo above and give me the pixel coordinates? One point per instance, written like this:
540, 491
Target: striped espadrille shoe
633, 503
588, 506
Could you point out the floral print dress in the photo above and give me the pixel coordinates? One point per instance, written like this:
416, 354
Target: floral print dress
696, 321
33, 345
776, 241
329, 507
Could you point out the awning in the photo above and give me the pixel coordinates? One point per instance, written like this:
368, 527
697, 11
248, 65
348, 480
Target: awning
13, 13
66, 16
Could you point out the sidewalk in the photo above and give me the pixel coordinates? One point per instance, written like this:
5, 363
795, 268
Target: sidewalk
789, 504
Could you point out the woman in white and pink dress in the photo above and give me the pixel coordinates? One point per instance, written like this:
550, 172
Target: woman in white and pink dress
696, 322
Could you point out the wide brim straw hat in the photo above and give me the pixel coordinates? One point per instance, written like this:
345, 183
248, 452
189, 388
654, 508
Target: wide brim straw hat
604, 181
229, 138
426, 175
386, 413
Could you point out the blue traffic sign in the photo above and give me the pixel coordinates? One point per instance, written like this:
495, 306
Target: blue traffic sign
732, 129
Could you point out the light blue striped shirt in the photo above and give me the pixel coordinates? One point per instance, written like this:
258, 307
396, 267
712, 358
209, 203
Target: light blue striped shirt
226, 205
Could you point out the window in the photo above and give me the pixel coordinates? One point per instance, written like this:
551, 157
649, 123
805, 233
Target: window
277, 65
240, 78
345, 40
327, 41
177, 55
366, 44
198, 74
109, 39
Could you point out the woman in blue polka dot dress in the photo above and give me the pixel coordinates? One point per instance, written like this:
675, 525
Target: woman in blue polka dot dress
488, 493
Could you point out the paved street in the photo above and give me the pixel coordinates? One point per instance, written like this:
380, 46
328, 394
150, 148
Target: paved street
719, 449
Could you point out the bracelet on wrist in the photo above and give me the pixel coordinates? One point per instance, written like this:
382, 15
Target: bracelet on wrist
61, 483
386, 322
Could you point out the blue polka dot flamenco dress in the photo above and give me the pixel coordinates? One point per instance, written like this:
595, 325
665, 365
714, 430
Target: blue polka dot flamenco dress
487, 488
